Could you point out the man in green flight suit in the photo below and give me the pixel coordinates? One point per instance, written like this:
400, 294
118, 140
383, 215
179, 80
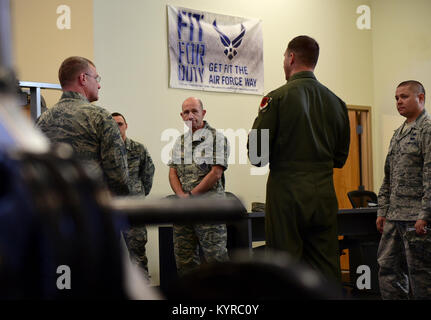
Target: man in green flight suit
306, 131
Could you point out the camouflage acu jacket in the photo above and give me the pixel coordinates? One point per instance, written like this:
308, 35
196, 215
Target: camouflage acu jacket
405, 194
93, 135
193, 157
141, 168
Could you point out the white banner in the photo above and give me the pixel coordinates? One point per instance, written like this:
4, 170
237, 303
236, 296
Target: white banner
215, 52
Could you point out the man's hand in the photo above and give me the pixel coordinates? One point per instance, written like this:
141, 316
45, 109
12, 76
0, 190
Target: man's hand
183, 195
209, 180
380, 223
420, 227
176, 184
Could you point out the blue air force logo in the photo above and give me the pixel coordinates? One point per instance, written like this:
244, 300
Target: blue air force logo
230, 46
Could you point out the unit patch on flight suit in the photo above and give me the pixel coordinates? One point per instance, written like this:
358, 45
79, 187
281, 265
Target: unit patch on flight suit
264, 104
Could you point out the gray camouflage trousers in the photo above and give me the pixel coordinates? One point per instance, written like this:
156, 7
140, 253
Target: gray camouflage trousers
405, 262
136, 239
211, 238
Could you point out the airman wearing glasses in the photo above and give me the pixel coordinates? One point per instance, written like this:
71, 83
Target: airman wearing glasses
89, 129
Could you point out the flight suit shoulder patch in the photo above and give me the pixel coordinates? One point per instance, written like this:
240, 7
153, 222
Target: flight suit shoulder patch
264, 104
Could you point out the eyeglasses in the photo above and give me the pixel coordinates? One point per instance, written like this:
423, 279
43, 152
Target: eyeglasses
97, 78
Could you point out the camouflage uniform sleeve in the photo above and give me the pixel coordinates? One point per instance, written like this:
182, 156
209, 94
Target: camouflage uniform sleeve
41, 122
425, 213
113, 156
146, 170
265, 123
385, 189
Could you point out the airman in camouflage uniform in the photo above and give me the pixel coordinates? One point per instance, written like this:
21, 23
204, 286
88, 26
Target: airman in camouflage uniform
89, 129
199, 159
404, 253
141, 173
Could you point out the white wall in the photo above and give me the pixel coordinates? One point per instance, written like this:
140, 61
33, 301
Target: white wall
401, 51
131, 54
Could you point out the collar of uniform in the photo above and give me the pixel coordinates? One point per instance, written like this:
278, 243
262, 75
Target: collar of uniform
417, 123
420, 118
197, 137
301, 75
73, 95
206, 126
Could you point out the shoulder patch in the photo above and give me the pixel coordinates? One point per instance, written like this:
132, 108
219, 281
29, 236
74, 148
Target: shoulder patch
264, 103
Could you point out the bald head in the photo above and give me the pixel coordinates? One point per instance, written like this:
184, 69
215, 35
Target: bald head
193, 113
193, 100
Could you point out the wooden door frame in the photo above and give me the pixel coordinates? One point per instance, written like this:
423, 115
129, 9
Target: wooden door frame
367, 150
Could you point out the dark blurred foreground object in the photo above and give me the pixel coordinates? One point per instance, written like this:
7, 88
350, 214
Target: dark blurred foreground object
7, 76
267, 275
52, 214
51, 211
199, 209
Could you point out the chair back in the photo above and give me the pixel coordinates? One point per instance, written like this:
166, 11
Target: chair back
362, 198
